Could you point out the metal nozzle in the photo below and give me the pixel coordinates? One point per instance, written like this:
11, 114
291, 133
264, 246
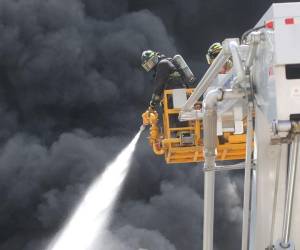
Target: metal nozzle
142, 128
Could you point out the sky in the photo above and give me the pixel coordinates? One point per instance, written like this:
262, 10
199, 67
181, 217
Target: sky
71, 94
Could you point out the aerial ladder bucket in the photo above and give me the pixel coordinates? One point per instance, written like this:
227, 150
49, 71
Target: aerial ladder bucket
182, 142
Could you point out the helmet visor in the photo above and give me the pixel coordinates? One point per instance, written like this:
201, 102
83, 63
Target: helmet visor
210, 57
151, 63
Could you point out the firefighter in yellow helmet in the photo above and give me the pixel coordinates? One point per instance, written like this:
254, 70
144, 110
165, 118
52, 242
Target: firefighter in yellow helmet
213, 52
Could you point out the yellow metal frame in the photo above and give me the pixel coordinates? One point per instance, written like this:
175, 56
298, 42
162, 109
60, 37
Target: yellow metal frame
169, 143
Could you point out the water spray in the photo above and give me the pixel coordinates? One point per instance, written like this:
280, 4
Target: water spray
93, 214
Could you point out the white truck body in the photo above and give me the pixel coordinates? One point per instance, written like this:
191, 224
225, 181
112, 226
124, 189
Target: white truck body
277, 97
266, 71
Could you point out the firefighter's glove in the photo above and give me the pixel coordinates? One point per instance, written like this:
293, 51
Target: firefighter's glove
151, 107
154, 100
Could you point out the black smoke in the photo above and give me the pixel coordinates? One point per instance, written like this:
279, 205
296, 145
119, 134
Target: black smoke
71, 93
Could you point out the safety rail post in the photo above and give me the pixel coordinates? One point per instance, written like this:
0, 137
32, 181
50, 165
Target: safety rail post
247, 179
293, 162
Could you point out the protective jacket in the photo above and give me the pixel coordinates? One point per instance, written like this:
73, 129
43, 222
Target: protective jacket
166, 77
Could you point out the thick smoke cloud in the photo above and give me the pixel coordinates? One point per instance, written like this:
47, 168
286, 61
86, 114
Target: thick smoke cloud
40, 185
129, 237
62, 68
71, 95
175, 207
176, 212
65, 66
197, 24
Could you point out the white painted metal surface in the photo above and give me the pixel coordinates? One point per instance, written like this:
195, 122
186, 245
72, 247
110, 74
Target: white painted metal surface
179, 98
247, 180
268, 156
286, 36
277, 96
209, 202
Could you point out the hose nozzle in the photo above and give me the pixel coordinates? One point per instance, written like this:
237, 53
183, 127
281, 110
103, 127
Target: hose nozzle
142, 128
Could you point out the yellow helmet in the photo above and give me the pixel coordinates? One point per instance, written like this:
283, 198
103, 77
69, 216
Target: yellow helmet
213, 52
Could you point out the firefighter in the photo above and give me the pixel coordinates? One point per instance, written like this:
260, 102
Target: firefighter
213, 52
166, 74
